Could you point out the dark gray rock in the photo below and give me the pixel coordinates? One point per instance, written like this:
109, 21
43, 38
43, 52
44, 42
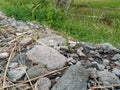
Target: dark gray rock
107, 78
21, 58
51, 58
43, 84
75, 78
36, 71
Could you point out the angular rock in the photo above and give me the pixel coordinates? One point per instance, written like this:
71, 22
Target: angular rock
37, 71
26, 41
21, 58
116, 71
106, 62
80, 53
43, 84
100, 66
75, 78
72, 44
52, 41
13, 65
49, 57
116, 57
107, 78
107, 47
17, 73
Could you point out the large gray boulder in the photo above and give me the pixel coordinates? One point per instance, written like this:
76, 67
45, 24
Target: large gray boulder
75, 78
49, 57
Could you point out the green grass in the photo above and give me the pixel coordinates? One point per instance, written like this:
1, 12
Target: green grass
80, 28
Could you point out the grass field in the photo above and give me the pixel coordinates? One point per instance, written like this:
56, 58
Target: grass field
94, 21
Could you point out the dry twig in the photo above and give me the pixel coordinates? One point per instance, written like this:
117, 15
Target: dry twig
19, 84
6, 69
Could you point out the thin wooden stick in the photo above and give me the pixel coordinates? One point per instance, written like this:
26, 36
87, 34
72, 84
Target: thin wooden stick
19, 84
13, 83
6, 69
109, 86
27, 76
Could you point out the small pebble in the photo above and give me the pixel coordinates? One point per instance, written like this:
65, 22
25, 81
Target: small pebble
4, 55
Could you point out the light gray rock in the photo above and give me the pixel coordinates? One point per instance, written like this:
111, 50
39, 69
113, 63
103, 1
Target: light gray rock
107, 47
13, 65
116, 57
116, 71
75, 78
106, 62
36, 71
4, 55
52, 41
107, 78
70, 59
49, 57
80, 53
43, 84
26, 41
72, 44
16, 73
117, 63
101, 67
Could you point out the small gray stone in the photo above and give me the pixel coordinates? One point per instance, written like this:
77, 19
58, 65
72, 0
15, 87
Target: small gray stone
100, 66
26, 41
52, 41
49, 57
13, 65
106, 62
107, 78
17, 73
4, 55
80, 53
36, 71
21, 59
64, 48
43, 84
72, 44
117, 63
75, 78
107, 47
70, 59
116, 71
116, 57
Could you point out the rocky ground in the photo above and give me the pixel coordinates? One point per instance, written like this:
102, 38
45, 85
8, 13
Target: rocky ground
33, 57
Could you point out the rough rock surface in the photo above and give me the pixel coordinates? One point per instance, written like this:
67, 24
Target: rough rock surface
75, 78
51, 58
43, 84
53, 40
17, 73
108, 78
36, 71
38, 50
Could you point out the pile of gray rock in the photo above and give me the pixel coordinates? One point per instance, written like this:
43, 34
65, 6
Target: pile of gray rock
88, 65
